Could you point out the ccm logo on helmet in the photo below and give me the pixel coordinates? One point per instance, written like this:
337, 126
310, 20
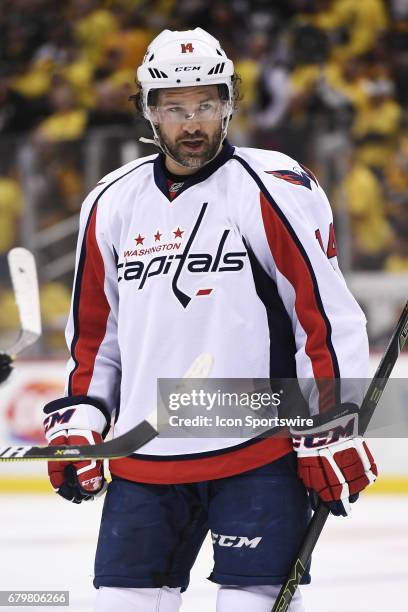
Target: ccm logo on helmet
187, 47
184, 68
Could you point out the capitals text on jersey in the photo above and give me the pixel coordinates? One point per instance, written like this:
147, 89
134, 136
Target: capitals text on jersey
192, 262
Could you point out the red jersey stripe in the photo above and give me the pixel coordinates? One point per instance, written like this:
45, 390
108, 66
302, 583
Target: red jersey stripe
93, 312
217, 466
292, 265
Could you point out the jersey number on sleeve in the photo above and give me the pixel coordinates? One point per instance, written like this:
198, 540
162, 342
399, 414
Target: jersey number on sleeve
331, 250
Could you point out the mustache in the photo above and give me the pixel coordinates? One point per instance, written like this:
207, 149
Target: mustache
195, 136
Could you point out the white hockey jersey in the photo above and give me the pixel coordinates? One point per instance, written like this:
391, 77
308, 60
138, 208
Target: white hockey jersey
241, 264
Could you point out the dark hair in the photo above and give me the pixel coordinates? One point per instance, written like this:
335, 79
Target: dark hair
222, 90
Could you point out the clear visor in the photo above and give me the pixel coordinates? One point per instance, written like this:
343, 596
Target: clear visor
210, 110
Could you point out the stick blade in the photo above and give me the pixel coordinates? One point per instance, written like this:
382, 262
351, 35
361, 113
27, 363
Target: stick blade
201, 366
23, 274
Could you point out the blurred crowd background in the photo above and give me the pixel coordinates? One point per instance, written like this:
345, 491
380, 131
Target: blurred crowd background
325, 81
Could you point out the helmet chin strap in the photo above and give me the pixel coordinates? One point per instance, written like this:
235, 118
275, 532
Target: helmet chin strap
161, 145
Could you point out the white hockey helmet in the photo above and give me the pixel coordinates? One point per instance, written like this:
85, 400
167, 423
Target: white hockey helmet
185, 59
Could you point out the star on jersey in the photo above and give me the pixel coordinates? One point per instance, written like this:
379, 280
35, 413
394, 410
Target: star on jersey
139, 239
178, 233
157, 236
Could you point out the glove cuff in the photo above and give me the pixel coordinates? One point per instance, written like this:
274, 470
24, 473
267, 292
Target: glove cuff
330, 428
76, 412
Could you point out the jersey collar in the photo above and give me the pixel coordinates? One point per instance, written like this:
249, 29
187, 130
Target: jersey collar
160, 177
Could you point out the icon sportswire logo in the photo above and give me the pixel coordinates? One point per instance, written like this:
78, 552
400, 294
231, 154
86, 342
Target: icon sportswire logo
140, 272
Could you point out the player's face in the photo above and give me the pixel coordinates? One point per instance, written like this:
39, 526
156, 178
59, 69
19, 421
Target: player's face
189, 122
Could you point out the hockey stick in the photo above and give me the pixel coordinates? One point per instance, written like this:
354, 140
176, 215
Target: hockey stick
23, 274
118, 447
367, 409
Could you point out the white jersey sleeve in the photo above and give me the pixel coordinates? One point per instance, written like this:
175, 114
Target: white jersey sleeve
94, 364
291, 235
94, 367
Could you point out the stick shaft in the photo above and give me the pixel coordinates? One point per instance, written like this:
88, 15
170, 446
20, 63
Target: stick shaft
121, 446
368, 406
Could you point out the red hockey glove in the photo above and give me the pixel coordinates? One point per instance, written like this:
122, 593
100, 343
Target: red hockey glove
334, 462
80, 480
76, 420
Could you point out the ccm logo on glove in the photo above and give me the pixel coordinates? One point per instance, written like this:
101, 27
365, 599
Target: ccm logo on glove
325, 437
58, 418
69, 424
334, 462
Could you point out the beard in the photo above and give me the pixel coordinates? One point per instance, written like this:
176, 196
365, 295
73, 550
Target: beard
192, 159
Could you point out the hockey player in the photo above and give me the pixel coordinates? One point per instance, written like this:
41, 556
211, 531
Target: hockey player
205, 248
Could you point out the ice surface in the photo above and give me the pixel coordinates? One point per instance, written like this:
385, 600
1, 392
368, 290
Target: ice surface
360, 565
